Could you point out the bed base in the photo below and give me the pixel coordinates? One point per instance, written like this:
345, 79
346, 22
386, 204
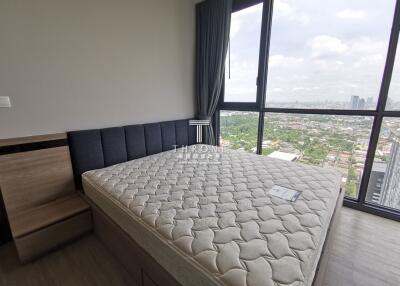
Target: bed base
330, 238
145, 270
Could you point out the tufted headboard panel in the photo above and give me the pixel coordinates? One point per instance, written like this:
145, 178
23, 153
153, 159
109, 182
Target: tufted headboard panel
99, 148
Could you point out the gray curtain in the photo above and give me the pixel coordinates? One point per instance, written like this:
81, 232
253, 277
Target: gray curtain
213, 21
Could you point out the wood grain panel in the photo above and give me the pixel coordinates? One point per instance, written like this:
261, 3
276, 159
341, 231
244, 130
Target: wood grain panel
134, 258
5, 232
147, 280
37, 218
329, 241
84, 263
41, 241
32, 139
119, 244
29, 179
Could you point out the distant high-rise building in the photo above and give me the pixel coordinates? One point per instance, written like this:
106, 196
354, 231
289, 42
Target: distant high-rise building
354, 101
389, 103
390, 193
361, 103
370, 102
375, 182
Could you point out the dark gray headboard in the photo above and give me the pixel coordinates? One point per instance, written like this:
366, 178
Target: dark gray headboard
99, 148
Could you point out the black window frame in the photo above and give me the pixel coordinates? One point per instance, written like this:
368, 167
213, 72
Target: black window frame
378, 114
238, 5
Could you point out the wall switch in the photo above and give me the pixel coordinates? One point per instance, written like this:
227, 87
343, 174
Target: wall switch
5, 101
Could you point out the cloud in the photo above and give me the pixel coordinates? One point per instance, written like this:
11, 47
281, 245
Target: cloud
282, 61
277, 90
328, 65
298, 88
302, 88
351, 14
235, 27
316, 54
245, 19
367, 46
282, 7
367, 53
303, 18
326, 46
249, 12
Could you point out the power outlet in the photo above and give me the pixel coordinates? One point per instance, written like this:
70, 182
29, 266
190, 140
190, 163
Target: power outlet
5, 101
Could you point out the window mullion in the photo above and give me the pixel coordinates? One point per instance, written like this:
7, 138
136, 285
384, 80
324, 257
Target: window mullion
369, 160
261, 116
382, 99
263, 68
264, 53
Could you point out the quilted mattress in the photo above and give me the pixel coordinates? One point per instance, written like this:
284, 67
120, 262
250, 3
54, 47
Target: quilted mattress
207, 218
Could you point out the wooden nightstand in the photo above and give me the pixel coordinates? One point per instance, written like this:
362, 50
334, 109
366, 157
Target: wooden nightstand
40, 229
43, 208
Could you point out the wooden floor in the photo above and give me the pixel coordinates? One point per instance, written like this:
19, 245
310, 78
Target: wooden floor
366, 253
85, 262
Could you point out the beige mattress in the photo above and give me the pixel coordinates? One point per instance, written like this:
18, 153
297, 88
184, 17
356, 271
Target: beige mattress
208, 219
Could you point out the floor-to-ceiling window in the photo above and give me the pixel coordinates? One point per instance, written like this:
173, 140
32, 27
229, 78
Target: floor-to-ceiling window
319, 83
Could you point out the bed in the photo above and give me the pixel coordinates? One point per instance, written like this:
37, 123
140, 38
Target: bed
204, 216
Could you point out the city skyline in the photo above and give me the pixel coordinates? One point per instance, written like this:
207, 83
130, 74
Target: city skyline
369, 104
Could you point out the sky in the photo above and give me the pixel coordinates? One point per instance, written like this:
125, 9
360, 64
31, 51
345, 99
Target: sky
319, 51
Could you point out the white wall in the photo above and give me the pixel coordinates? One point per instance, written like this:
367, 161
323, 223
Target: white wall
77, 64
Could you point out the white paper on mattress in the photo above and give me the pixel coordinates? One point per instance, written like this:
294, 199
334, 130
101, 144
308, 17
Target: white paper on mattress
213, 218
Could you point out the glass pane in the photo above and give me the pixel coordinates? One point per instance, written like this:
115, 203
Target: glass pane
384, 182
239, 130
328, 54
241, 74
393, 102
339, 142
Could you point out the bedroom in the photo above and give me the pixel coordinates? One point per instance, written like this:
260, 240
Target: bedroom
103, 105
